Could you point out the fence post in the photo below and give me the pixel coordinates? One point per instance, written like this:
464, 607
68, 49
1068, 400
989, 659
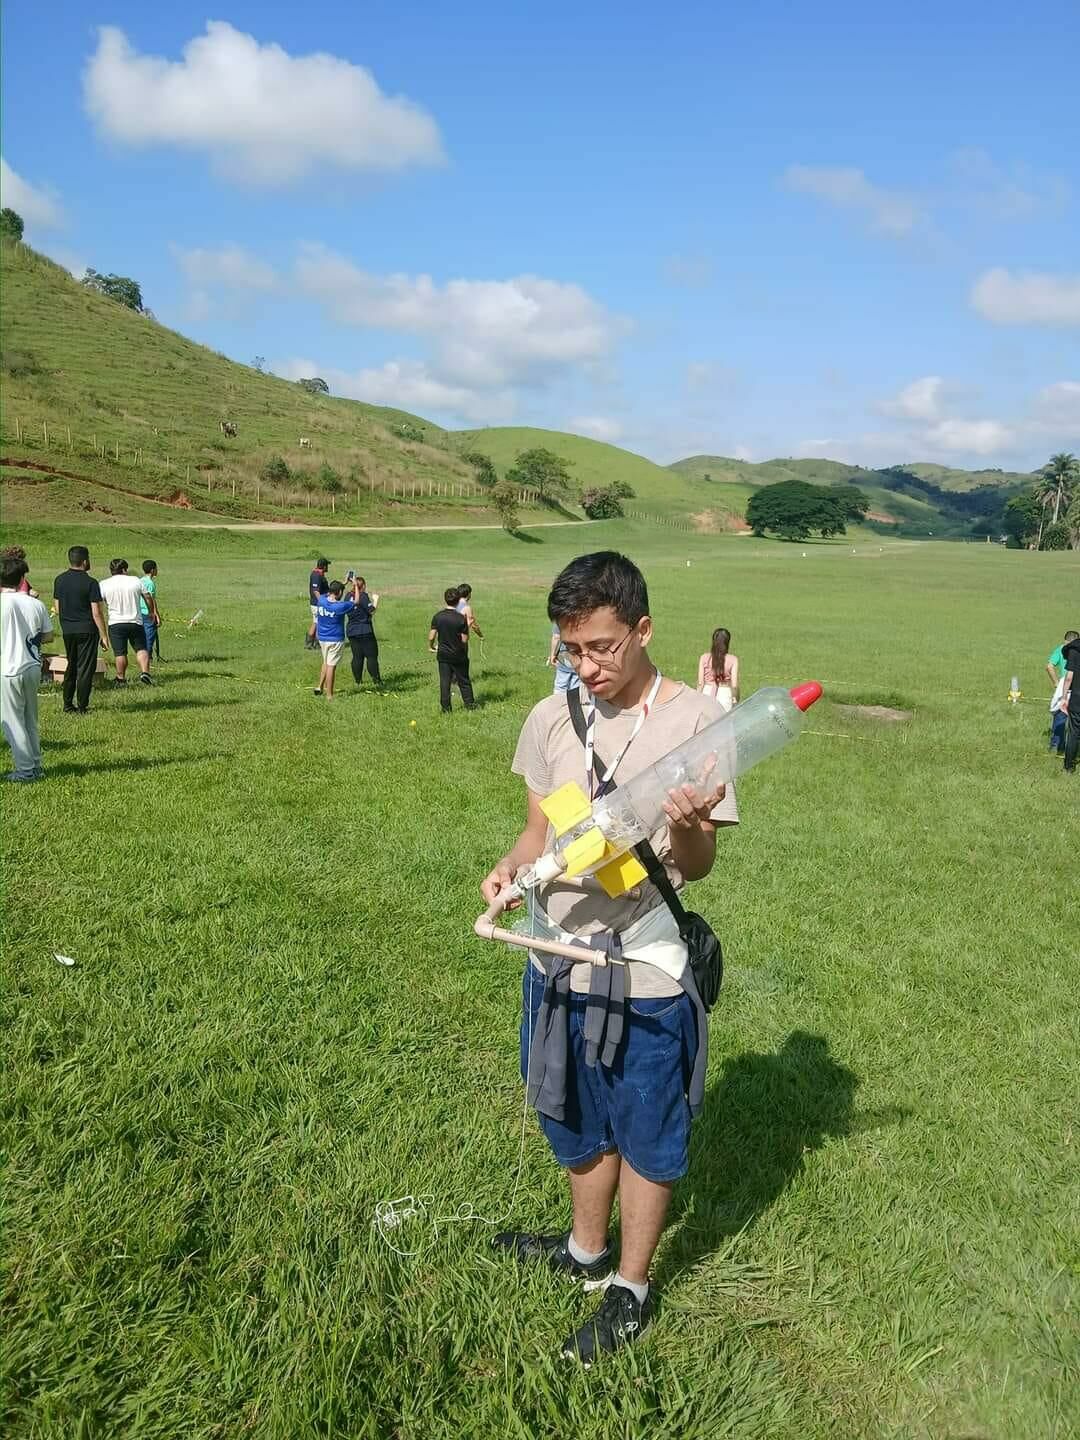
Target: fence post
69, 437
118, 452
45, 432
18, 432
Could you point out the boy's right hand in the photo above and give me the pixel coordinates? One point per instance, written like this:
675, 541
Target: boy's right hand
500, 879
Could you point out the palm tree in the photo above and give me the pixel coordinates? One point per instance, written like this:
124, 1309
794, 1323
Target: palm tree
1072, 519
1062, 471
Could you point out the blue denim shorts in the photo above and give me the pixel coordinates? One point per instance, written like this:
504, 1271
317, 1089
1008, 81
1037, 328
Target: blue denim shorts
639, 1105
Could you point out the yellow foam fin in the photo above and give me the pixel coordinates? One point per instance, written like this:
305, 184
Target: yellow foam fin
586, 851
621, 874
567, 806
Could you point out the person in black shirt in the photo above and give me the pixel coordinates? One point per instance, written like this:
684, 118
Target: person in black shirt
318, 586
360, 633
78, 603
447, 639
1070, 656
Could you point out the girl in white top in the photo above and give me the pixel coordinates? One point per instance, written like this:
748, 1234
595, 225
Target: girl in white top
718, 671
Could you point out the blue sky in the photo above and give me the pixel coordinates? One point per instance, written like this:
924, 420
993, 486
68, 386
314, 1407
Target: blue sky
764, 230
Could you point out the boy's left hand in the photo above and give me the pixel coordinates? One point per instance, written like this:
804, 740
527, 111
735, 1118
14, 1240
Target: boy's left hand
686, 808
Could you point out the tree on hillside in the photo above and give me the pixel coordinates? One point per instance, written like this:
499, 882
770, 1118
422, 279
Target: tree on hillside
331, 484
117, 287
274, 471
541, 470
307, 483
1060, 477
505, 499
1021, 519
11, 224
852, 501
794, 509
315, 384
601, 502
482, 465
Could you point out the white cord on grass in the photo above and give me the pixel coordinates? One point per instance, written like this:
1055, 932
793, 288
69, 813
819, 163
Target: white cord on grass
392, 1214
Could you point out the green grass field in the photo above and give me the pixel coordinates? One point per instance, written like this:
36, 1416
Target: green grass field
280, 1016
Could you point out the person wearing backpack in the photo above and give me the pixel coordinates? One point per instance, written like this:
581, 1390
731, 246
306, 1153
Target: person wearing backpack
613, 1053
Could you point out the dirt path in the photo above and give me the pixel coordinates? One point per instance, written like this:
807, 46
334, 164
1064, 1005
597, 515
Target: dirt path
352, 529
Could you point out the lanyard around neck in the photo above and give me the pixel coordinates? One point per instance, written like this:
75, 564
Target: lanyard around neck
595, 791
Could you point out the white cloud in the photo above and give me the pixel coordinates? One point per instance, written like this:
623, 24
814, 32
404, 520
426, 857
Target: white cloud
923, 399
600, 427
263, 115
406, 385
39, 206
486, 333
974, 437
889, 212
1059, 404
1001, 193
229, 268
1029, 297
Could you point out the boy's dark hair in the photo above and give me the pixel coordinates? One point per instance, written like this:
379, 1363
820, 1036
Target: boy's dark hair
12, 552
148, 566
452, 596
78, 555
464, 591
335, 588
11, 571
1071, 635
117, 567
592, 582
322, 564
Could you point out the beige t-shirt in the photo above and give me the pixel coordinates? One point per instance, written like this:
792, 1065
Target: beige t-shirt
549, 754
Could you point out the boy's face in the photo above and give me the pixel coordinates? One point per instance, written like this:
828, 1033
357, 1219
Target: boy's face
606, 653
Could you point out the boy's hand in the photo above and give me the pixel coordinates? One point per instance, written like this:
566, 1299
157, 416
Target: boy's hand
686, 808
500, 879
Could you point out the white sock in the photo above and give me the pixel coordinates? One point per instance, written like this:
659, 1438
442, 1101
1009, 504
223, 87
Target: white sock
639, 1292
582, 1256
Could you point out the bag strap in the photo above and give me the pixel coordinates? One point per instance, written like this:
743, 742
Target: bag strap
643, 850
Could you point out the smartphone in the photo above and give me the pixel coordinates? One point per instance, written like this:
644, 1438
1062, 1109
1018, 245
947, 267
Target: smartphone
350, 574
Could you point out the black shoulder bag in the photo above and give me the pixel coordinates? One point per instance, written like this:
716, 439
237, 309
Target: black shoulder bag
702, 943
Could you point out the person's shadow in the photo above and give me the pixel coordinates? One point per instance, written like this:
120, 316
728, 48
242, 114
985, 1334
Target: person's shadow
762, 1118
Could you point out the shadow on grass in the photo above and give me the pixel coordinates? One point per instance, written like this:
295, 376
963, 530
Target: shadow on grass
761, 1121
163, 703
526, 537
199, 674
491, 695
131, 762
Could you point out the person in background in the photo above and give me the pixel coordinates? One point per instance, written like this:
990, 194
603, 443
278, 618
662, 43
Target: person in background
464, 607
330, 616
317, 588
718, 671
1071, 657
17, 553
121, 593
77, 602
150, 625
360, 633
447, 639
24, 627
566, 677
1055, 668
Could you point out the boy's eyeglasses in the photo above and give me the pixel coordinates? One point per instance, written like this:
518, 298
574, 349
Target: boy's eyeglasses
602, 655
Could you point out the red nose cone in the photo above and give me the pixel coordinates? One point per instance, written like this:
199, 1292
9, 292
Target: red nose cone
805, 694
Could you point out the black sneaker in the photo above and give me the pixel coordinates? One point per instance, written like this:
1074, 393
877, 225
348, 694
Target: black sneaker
144, 679
70, 710
620, 1320
316, 692
118, 681
554, 1250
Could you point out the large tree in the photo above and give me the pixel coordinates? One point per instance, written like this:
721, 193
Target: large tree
1061, 474
117, 287
1021, 519
541, 470
795, 509
11, 224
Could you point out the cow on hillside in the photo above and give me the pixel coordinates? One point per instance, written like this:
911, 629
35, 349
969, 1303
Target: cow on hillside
228, 427
305, 442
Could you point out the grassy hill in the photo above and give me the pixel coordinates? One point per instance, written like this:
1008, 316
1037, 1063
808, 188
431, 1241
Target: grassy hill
917, 498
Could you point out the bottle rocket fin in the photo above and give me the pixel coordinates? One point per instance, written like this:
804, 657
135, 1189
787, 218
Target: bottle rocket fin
567, 806
621, 874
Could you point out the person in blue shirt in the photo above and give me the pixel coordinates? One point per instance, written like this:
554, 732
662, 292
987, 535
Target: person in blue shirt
330, 616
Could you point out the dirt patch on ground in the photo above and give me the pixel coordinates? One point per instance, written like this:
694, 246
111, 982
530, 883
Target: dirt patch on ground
179, 499
881, 517
717, 522
884, 713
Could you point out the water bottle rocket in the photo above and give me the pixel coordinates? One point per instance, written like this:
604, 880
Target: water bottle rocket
597, 837
1015, 693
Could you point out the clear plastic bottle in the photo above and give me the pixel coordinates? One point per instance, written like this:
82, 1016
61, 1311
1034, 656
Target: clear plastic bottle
731, 745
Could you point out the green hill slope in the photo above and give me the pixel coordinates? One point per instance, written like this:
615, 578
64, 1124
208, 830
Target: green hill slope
83, 375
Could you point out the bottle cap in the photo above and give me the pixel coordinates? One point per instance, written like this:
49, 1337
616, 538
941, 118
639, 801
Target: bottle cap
805, 694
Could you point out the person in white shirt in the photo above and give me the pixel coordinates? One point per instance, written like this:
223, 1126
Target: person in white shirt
24, 627
121, 593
